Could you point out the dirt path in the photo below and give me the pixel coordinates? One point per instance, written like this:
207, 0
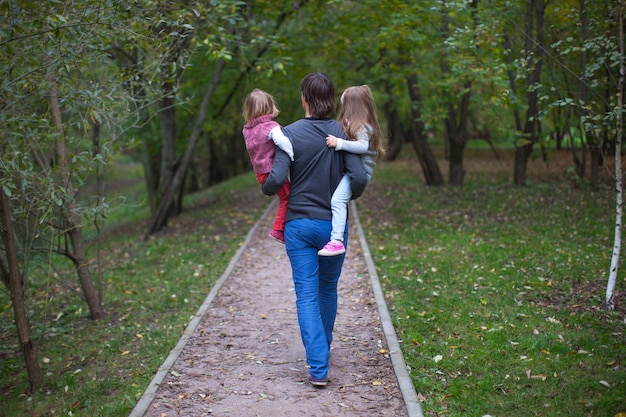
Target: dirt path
244, 357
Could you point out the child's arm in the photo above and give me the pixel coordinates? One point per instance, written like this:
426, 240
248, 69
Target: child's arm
282, 141
358, 146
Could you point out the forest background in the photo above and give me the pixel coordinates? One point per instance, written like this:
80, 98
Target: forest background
93, 89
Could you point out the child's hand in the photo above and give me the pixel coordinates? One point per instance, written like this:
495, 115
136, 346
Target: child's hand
331, 141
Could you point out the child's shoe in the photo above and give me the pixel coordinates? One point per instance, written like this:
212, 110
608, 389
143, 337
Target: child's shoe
278, 235
332, 248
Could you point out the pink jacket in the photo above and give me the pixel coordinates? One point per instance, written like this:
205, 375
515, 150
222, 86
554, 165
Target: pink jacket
259, 146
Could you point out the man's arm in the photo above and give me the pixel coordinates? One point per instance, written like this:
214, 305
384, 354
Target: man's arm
358, 176
278, 175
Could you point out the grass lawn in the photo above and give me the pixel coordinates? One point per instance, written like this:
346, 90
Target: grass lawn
496, 293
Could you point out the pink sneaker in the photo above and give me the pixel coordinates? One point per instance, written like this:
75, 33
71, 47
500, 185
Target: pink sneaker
278, 235
332, 248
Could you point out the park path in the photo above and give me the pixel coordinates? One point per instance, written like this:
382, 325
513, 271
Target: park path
242, 356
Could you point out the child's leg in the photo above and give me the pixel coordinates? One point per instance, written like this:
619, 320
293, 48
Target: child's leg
281, 213
339, 207
279, 222
261, 178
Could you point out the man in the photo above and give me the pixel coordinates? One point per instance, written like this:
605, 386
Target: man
314, 173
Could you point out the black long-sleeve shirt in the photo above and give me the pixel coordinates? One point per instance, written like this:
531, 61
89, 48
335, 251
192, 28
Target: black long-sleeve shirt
316, 169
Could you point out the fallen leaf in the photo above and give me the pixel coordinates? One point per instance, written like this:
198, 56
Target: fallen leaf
377, 383
606, 384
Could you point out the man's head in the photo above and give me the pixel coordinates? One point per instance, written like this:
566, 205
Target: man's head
318, 91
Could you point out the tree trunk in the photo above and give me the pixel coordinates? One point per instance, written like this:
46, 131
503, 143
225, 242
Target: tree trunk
457, 120
167, 117
163, 210
150, 167
456, 126
395, 134
617, 243
512, 77
534, 45
16, 289
590, 139
427, 160
69, 219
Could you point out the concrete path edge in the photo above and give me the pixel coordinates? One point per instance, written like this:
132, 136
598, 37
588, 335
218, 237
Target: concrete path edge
414, 408
407, 389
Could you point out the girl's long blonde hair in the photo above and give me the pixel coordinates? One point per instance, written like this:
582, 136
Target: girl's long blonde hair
358, 109
259, 103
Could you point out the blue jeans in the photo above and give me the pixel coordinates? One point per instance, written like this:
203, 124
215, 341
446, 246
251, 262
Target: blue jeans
339, 206
315, 279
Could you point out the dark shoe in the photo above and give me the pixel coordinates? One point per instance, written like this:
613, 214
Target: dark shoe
322, 382
278, 235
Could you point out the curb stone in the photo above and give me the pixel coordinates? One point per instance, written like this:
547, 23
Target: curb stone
409, 394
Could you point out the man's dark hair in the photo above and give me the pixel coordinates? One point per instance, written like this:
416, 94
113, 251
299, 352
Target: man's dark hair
319, 92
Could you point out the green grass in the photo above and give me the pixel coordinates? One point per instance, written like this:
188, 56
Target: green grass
151, 290
497, 291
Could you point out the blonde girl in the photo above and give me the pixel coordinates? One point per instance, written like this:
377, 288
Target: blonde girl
359, 120
262, 134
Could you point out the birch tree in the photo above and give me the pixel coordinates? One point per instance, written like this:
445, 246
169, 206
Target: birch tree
610, 301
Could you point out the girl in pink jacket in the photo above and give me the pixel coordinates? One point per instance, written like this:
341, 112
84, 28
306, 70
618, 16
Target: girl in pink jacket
262, 135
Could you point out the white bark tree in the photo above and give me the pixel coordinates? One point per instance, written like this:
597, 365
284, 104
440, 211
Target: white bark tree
610, 300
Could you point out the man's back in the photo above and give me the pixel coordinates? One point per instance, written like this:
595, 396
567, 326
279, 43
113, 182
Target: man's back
316, 169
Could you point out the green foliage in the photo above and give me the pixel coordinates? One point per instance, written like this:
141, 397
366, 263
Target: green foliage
64, 112
497, 291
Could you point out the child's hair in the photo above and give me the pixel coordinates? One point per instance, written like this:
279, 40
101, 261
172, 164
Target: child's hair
259, 103
357, 110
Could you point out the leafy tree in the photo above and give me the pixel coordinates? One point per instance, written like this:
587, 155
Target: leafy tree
61, 104
211, 36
